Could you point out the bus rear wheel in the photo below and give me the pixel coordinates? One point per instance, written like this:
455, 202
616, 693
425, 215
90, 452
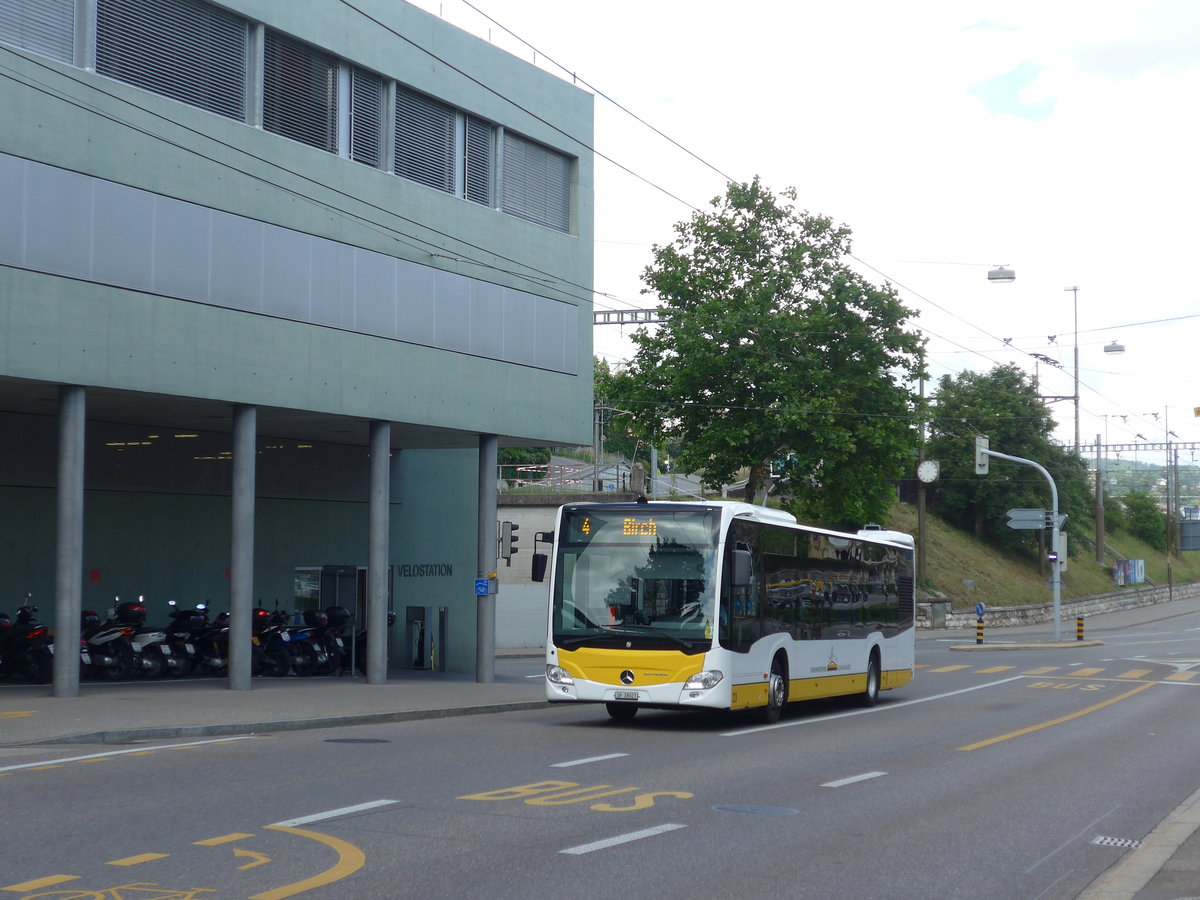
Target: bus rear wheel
621, 712
870, 694
777, 692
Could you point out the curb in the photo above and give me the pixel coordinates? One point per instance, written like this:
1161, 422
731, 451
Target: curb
178, 731
1041, 645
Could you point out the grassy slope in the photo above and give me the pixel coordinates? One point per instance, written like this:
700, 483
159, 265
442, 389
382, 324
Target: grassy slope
1008, 581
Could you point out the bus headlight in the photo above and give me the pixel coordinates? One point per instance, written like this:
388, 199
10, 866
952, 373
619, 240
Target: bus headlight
702, 681
557, 675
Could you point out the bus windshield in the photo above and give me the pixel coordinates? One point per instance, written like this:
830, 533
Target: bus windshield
637, 573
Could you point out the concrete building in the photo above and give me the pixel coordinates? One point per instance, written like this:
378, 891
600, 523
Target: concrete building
246, 249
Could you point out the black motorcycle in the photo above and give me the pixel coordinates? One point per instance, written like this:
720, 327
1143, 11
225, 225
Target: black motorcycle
26, 649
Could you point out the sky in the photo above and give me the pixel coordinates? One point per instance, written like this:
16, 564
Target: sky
1055, 137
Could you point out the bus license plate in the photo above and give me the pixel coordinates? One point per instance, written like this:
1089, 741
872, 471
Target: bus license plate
625, 695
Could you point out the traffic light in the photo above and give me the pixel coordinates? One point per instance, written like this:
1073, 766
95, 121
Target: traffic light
981, 458
508, 539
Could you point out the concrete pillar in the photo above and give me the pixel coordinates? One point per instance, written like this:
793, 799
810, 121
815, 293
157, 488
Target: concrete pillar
378, 541
241, 567
485, 612
68, 571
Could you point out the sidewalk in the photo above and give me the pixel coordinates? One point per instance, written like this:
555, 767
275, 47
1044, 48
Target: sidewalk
152, 710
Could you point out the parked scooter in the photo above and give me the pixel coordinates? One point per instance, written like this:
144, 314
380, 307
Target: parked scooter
26, 649
360, 645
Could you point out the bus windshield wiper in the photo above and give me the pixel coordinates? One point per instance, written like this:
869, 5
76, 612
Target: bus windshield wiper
651, 631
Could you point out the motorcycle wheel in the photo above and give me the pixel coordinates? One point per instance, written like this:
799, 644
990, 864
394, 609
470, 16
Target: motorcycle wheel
39, 669
153, 666
304, 660
277, 662
333, 662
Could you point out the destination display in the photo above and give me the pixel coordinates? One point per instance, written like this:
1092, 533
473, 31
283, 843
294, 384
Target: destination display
585, 526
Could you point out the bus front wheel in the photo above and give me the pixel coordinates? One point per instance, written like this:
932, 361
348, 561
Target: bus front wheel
777, 692
621, 712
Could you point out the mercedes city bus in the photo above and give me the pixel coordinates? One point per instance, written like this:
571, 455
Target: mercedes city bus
722, 605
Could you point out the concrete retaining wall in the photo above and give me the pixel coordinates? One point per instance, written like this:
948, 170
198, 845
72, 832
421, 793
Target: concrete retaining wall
936, 613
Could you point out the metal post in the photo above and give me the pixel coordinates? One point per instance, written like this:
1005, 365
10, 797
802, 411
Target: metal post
1055, 534
1099, 504
979, 630
378, 521
68, 568
1079, 628
241, 565
485, 611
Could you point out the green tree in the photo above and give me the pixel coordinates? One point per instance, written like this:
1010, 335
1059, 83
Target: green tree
776, 357
1004, 405
1144, 520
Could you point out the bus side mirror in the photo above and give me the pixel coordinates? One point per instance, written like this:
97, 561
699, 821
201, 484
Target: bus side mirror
540, 560
740, 577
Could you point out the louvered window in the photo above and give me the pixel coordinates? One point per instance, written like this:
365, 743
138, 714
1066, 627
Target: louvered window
479, 152
300, 90
189, 51
41, 26
424, 140
537, 183
366, 117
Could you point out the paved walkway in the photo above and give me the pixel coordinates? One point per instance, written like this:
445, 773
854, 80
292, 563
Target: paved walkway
1165, 867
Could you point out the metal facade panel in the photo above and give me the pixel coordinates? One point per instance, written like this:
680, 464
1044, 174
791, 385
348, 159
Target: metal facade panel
97, 230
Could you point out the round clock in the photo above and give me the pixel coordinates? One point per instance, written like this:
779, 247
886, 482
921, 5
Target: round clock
928, 470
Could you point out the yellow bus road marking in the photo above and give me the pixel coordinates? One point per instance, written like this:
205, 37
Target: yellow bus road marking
1135, 673
18, 713
921, 666
949, 668
1181, 676
993, 670
1044, 670
1060, 720
48, 881
350, 860
258, 859
43, 768
222, 839
137, 860
1084, 673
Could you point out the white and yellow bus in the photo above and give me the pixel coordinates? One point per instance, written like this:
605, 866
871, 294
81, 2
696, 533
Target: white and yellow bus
723, 605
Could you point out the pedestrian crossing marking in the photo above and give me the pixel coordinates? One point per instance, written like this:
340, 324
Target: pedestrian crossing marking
993, 670
1044, 670
1135, 673
949, 668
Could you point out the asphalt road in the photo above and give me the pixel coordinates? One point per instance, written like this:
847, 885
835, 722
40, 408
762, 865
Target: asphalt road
1018, 774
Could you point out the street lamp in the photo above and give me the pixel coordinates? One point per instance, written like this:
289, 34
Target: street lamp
1001, 275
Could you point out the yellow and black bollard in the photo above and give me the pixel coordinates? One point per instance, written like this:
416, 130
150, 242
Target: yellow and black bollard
1079, 628
979, 630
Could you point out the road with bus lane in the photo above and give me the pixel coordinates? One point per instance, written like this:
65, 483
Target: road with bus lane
1017, 774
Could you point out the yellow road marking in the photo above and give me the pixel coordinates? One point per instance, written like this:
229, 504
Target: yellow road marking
1085, 673
258, 859
949, 668
142, 753
18, 713
222, 839
1044, 670
137, 860
1060, 720
1135, 673
39, 883
993, 670
1181, 676
350, 860
98, 759
921, 666
43, 768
